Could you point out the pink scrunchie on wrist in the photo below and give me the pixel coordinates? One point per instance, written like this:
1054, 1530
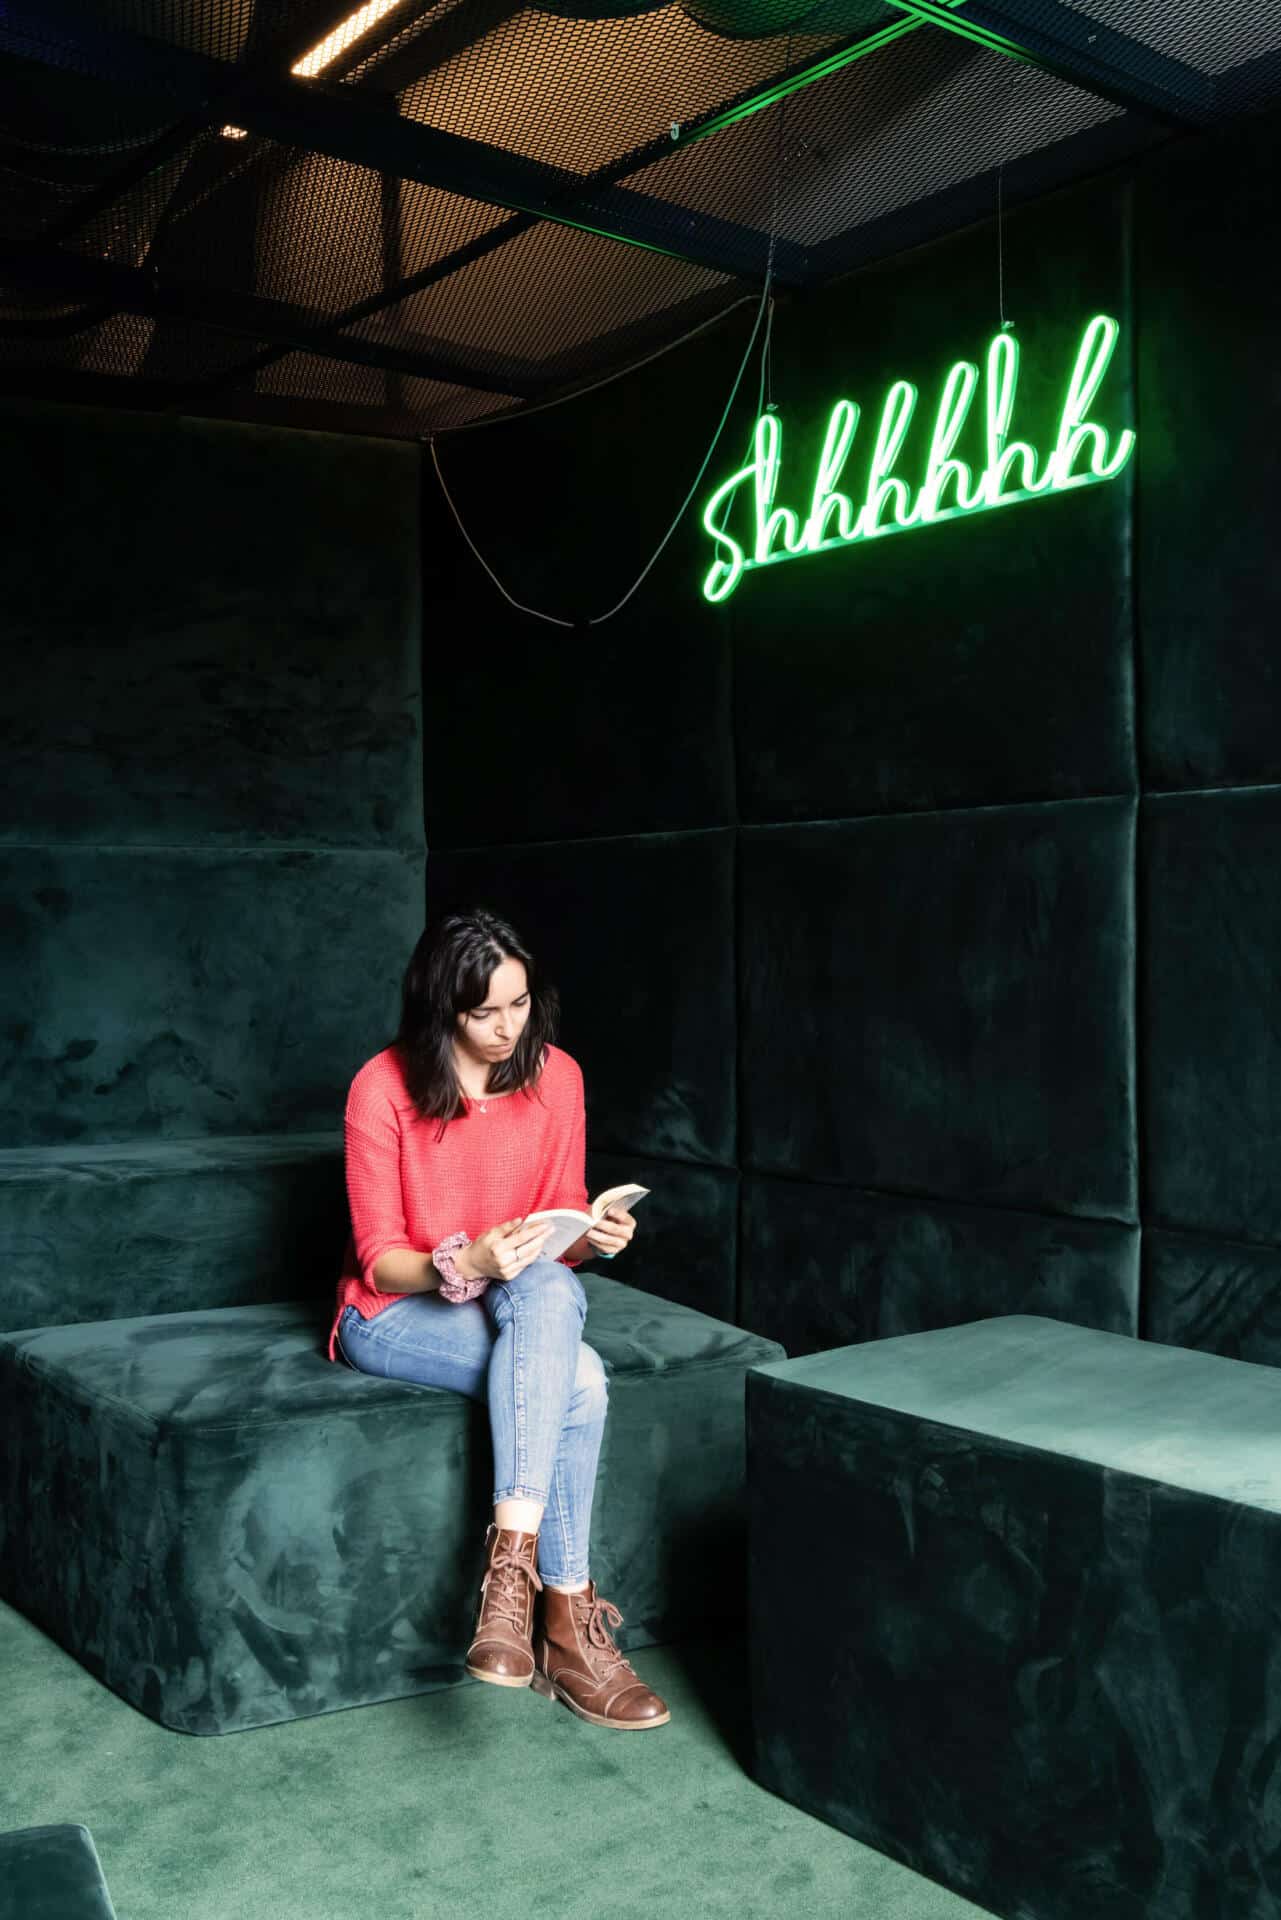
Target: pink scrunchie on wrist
452, 1284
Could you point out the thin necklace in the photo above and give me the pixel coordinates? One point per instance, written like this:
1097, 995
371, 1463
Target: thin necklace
482, 1106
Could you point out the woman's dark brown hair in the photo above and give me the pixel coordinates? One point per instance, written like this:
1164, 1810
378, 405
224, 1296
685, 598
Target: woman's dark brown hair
449, 973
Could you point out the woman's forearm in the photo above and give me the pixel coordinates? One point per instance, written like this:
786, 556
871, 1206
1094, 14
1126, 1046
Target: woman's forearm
401, 1270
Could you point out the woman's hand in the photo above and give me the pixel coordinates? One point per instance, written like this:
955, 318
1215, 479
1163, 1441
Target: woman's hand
500, 1253
612, 1232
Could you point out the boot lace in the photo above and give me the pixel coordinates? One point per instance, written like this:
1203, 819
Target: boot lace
602, 1615
505, 1593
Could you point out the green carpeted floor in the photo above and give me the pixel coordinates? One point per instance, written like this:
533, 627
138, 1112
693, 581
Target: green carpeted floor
479, 1801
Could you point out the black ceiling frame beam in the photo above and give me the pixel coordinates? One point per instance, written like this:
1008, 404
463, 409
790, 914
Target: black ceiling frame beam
72, 387
352, 124
1249, 86
1084, 52
183, 133
247, 316
278, 47
463, 26
439, 41
348, 127
476, 249
436, 43
715, 120
61, 169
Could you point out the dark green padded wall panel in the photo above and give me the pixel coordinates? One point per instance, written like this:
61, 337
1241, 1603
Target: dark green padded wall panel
1208, 227
1212, 998
212, 865
826, 1265
987, 662
155, 993
946, 1020
619, 728
943, 1003
983, 660
686, 1245
218, 632
1221, 1295
164, 1226
638, 936
563, 747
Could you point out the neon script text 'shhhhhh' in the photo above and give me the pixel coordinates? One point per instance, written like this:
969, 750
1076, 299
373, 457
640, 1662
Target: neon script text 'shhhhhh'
1081, 457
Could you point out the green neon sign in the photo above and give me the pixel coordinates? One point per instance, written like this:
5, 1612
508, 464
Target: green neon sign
1082, 456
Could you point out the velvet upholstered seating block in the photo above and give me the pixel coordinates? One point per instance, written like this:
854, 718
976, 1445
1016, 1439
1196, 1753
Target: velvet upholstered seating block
229, 1530
155, 1226
52, 1873
1037, 1658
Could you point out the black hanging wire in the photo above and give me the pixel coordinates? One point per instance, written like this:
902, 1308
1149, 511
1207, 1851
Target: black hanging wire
765, 398
765, 402
1007, 325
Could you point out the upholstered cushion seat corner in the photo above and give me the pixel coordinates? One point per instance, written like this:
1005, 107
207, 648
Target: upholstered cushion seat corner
230, 1531
1051, 1681
52, 1873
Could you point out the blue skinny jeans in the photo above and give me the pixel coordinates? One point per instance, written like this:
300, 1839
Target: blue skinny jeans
520, 1347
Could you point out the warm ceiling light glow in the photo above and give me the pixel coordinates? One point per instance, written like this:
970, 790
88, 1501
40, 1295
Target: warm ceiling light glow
332, 47
337, 42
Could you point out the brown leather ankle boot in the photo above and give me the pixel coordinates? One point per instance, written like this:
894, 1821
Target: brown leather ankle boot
576, 1661
501, 1650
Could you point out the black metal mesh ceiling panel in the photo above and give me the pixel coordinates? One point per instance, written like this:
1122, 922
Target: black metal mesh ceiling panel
1210, 40
217, 27
933, 112
402, 218
512, 300
580, 95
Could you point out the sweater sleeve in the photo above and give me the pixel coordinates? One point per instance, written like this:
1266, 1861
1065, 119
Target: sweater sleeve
374, 1199
570, 1184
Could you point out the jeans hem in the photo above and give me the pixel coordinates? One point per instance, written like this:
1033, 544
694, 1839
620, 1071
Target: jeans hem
522, 1493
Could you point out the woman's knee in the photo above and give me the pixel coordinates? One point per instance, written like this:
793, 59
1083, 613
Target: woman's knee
552, 1283
591, 1383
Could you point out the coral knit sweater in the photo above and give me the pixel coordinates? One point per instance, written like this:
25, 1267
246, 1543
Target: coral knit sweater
406, 1188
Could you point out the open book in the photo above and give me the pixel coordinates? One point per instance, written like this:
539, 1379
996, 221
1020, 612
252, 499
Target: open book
567, 1223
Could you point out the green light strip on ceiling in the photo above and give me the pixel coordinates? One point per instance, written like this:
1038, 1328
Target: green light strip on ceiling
821, 69
1014, 471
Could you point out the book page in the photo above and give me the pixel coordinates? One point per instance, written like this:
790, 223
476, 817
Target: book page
567, 1224
566, 1227
624, 1196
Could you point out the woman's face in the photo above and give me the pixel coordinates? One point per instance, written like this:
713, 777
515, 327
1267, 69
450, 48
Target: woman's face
490, 1032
